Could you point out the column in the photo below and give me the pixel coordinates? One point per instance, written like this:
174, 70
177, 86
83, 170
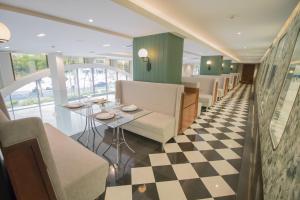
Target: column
57, 70
165, 55
211, 65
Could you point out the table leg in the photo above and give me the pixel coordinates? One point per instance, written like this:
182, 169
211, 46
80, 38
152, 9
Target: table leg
118, 145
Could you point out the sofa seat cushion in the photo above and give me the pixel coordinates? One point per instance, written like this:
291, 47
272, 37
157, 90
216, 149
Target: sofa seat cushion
156, 126
220, 92
82, 173
205, 99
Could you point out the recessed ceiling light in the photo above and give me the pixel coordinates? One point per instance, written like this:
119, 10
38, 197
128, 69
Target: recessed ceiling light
91, 20
41, 35
106, 45
58, 51
7, 47
239, 33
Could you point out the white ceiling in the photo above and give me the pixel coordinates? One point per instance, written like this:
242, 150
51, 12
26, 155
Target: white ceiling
258, 20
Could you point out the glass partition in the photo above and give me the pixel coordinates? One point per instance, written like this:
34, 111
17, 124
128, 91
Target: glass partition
286, 98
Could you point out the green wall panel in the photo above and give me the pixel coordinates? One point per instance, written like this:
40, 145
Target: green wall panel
165, 53
226, 68
216, 66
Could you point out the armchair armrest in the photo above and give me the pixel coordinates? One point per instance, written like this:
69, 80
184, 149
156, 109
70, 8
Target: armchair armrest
17, 131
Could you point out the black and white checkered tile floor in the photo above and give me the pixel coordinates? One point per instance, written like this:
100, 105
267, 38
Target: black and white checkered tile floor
203, 163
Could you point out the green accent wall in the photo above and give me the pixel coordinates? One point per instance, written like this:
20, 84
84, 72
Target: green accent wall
165, 52
235, 67
216, 65
226, 68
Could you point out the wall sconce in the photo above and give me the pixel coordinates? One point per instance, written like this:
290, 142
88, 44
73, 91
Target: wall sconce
4, 33
231, 67
143, 53
208, 63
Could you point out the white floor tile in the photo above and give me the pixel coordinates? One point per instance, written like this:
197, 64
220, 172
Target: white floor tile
220, 120
196, 126
201, 121
194, 156
234, 135
217, 186
119, 192
208, 137
231, 143
237, 124
228, 154
172, 148
142, 175
185, 171
189, 131
235, 129
182, 139
223, 167
170, 190
217, 125
159, 159
212, 130
202, 145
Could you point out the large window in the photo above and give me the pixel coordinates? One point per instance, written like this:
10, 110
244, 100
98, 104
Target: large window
72, 84
111, 80
85, 77
31, 99
100, 81
25, 64
73, 60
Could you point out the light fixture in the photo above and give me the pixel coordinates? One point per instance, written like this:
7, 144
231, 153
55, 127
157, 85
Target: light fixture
4, 33
106, 45
208, 63
223, 65
41, 35
7, 47
239, 33
231, 67
91, 20
143, 53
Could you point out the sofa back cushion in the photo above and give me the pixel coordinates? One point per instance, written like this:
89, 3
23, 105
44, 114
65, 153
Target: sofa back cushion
207, 84
3, 117
157, 97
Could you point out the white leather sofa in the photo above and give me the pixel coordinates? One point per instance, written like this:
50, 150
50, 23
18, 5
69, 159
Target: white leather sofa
221, 83
164, 102
74, 172
231, 77
208, 88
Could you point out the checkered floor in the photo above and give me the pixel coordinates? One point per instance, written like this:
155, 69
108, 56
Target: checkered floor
203, 163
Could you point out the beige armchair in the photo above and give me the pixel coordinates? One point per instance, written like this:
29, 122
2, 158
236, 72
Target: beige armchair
43, 163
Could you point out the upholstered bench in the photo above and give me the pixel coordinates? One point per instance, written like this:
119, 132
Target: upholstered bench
163, 100
208, 88
43, 163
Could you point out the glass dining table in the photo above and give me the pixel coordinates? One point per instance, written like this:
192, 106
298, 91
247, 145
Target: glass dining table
90, 111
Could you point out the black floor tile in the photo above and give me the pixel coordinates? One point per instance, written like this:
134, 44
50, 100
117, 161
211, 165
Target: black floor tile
232, 180
204, 169
211, 155
177, 158
194, 189
194, 138
217, 144
164, 173
187, 146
